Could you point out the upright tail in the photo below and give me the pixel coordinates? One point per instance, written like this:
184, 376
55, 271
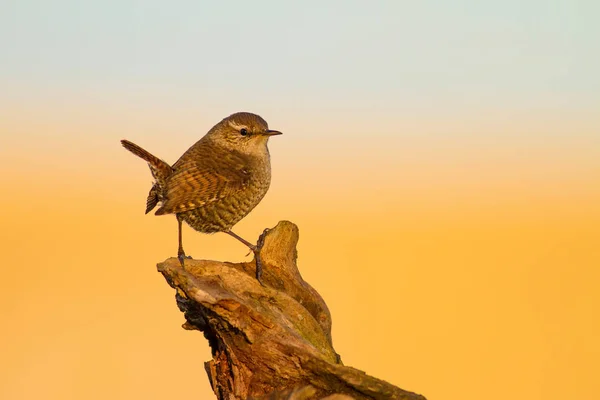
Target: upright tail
138, 151
160, 171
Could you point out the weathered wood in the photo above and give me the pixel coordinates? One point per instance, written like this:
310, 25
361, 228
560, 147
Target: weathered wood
272, 341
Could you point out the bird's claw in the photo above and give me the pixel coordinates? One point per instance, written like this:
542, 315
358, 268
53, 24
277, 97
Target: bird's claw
256, 250
181, 257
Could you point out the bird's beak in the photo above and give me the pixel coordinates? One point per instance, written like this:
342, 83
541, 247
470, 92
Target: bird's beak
272, 133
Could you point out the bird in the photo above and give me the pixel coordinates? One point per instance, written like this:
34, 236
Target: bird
217, 181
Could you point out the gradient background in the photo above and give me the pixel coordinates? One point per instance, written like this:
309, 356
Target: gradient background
442, 160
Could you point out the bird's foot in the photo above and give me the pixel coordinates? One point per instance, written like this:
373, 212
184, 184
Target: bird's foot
256, 250
181, 257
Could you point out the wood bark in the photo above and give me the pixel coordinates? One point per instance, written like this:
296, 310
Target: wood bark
271, 341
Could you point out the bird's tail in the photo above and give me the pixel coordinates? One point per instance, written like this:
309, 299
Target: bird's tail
159, 168
143, 154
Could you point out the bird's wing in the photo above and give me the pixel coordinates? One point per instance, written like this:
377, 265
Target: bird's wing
201, 178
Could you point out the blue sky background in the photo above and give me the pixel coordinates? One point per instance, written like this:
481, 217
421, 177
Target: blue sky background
355, 55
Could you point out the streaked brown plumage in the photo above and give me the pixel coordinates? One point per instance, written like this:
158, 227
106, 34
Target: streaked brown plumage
217, 181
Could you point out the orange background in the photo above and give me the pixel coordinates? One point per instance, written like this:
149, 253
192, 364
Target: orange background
460, 269
442, 161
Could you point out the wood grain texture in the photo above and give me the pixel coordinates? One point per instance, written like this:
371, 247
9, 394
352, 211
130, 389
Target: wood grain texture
272, 341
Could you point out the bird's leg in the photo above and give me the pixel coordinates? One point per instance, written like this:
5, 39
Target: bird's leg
255, 249
180, 253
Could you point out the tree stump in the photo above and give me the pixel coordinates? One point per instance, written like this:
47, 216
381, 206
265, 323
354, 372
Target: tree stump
272, 341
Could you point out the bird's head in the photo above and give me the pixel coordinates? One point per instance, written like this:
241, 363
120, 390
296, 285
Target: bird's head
245, 132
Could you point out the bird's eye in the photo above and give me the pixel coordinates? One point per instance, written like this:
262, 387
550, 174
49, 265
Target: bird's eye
244, 131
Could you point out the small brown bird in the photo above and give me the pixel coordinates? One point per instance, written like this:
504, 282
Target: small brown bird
217, 181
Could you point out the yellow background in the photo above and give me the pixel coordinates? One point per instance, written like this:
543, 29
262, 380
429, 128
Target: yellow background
442, 163
458, 270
